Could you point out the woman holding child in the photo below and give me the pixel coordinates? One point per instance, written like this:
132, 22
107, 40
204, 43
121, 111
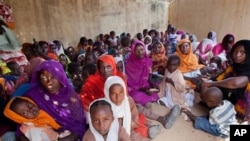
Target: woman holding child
234, 81
52, 92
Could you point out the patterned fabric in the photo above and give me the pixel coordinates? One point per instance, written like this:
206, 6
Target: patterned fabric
7, 14
65, 107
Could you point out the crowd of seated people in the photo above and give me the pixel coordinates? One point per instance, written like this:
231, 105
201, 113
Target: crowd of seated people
70, 87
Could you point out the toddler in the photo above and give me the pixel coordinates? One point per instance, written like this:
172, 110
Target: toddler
221, 115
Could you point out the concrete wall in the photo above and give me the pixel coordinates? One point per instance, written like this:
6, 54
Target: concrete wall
201, 16
68, 20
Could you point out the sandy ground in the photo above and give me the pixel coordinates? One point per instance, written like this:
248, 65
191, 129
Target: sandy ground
183, 130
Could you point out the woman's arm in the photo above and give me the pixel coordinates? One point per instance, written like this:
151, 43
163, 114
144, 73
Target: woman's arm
231, 83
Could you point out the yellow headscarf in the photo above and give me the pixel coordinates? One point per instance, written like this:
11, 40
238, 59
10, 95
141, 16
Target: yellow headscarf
43, 118
188, 62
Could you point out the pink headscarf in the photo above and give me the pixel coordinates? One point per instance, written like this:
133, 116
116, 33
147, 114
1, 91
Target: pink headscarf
137, 69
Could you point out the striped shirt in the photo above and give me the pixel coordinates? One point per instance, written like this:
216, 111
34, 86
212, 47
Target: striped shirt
224, 115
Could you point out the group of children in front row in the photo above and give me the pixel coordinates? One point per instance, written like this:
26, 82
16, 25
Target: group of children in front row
115, 117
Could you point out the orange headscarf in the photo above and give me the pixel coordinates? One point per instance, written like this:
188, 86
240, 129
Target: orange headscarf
94, 85
159, 59
43, 118
188, 62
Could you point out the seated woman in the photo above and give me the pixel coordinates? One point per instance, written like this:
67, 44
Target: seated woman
223, 49
189, 66
138, 72
94, 84
52, 92
204, 52
159, 58
234, 81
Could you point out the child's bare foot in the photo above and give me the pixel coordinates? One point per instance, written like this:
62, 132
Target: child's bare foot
188, 113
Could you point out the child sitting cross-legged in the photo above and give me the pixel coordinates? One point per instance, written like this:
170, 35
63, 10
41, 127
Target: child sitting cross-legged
221, 115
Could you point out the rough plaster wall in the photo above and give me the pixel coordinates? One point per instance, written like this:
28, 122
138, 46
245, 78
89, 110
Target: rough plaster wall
68, 20
201, 16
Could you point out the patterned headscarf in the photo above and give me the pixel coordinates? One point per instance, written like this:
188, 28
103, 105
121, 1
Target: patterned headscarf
65, 107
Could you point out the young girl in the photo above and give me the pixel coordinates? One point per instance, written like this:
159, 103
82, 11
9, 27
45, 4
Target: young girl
36, 124
103, 125
126, 110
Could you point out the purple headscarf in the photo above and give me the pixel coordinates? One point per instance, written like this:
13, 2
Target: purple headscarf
65, 107
137, 69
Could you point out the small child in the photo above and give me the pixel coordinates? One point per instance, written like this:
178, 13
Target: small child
173, 88
103, 125
221, 115
126, 110
36, 124
173, 39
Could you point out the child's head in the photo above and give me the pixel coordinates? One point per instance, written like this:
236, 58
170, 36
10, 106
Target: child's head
90, 58
112, 34
216, 59
139, 36
157, 48
147, 40
115, 90
125, 41
119, 64
87, 70
101, 116
212, 97
168, 49
173, 63
24, 108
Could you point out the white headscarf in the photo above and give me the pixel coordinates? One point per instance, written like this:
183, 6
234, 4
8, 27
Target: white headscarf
113, 130
147, 45
123, 110
120, 58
